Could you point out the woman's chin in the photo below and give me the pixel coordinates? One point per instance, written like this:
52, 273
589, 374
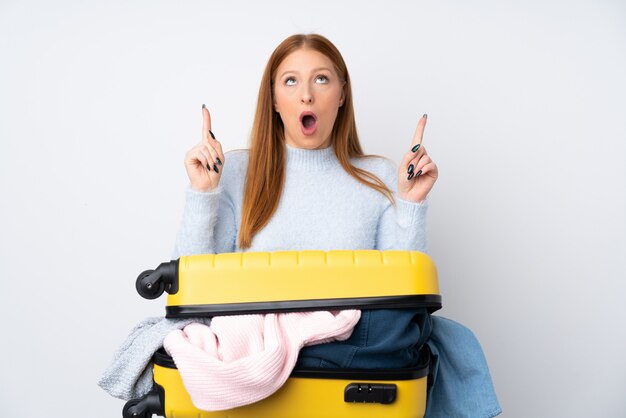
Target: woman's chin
308, 142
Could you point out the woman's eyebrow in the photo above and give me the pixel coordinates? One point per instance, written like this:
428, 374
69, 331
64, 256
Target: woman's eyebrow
297, 72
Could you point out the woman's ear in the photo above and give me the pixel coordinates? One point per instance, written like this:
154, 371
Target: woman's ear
343, 94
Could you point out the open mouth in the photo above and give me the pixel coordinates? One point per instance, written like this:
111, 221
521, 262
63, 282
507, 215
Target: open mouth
308, 123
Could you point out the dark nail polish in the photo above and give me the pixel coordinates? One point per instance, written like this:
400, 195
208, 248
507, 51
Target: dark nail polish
219, 162
415, 148
203, 106
425, 115
410, 170
410, 176
215, 168
418, 174
208, 167
212, 136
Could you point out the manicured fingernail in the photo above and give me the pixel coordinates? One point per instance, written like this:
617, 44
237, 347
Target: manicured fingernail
219, 162
203, 105
415, 148
215, 168
425, 116
212, 136
418, 174
410, 176
208, 167
410, 170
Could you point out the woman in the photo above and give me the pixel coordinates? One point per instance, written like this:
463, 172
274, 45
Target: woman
305, 184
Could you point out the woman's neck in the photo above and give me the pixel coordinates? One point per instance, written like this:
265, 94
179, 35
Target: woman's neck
310, 159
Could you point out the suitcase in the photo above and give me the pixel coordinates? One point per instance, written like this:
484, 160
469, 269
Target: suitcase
288, 281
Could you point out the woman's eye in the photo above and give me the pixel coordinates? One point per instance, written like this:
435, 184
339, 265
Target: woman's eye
323, 78
290, 81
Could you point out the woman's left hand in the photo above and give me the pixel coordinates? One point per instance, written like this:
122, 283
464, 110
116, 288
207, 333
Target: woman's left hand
417, 172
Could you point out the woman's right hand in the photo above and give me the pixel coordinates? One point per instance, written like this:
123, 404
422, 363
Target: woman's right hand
205, 161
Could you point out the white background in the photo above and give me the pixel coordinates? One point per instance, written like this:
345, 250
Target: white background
527, 121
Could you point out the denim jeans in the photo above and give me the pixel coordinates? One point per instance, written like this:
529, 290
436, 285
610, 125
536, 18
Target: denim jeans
391, 338
461, 384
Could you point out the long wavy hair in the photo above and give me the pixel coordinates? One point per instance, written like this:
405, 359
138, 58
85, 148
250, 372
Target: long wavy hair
265, 176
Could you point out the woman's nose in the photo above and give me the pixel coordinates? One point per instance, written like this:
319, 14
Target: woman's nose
307, 97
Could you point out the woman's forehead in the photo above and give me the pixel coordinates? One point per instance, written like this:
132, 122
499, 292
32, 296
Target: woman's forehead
303, 61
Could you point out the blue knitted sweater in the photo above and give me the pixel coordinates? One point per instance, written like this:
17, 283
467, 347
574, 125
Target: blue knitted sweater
321, 208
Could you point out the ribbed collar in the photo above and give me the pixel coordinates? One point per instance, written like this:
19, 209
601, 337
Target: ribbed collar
310, 159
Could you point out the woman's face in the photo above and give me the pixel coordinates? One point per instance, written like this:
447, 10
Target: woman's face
307, 94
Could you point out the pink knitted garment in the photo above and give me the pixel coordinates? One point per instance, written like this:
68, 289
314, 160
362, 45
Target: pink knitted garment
239, 360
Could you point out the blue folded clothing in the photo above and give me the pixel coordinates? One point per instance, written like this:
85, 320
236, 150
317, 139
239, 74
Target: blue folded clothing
128, 375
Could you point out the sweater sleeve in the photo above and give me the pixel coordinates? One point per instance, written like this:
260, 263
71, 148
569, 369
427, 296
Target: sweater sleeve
207, 225
402, 227
196, 231
209, 221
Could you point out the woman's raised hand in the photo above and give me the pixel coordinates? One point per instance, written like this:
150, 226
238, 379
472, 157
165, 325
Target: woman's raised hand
204, 162
417, 172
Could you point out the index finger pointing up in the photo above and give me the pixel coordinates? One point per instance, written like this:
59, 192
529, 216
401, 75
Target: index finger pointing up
419, 131
206, 123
